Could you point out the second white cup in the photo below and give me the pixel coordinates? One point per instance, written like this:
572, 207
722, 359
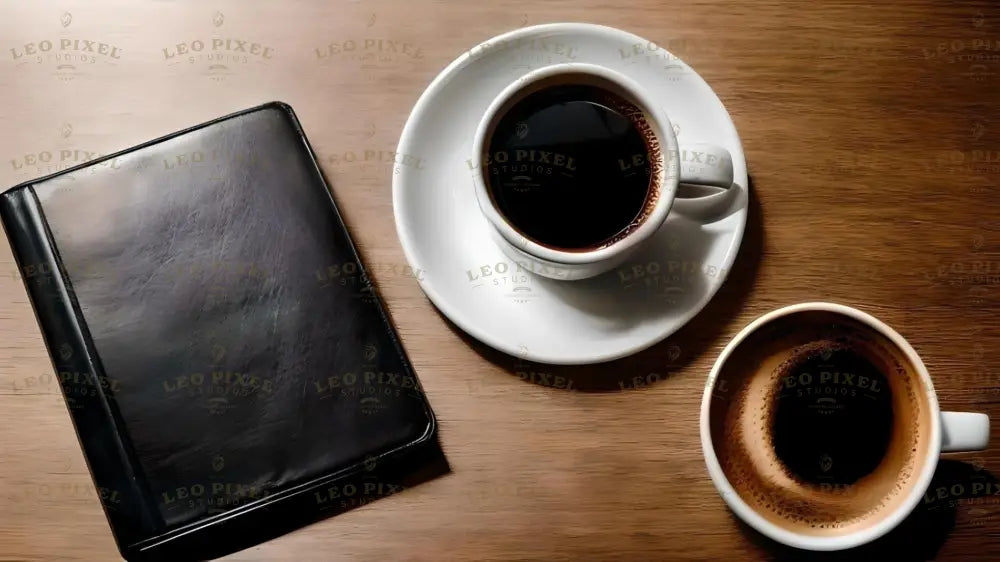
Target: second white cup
754, 488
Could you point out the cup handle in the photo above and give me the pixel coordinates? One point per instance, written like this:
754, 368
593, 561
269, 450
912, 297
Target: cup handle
705, 164
706, 180
964, 431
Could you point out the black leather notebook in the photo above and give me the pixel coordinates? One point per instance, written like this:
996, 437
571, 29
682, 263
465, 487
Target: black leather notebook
228, 366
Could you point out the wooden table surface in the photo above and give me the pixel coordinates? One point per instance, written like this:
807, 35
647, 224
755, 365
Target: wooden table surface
873, 141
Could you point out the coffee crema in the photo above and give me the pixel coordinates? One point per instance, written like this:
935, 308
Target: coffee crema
572, 164
820, 423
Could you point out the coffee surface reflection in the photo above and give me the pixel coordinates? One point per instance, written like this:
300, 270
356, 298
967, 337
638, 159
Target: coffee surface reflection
568, 165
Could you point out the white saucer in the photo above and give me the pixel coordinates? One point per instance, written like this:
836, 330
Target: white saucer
474, 284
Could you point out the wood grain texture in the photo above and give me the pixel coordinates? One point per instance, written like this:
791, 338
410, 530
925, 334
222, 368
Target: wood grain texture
873, 141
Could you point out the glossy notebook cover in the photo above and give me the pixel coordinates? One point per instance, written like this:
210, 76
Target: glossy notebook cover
226, 362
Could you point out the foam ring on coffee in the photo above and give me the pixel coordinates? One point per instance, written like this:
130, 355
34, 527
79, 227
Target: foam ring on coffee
742, 418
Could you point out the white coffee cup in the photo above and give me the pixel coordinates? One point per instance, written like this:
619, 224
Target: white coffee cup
948, 432
699, 164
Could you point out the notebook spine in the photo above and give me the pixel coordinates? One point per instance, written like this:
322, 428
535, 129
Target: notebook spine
89, 394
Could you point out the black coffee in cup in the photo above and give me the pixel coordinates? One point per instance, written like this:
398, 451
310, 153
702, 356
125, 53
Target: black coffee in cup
572, 165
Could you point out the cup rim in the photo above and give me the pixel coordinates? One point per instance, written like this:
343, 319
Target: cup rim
772, 530
669, 171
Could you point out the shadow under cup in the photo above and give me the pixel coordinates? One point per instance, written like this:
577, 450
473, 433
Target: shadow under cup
820, 424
